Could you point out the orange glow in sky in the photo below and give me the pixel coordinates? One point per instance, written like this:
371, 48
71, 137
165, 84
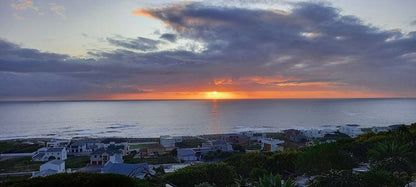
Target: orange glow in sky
244, 95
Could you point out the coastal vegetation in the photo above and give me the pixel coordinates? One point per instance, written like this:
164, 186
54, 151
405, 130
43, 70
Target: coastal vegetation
389, 157
20, 164
19, 146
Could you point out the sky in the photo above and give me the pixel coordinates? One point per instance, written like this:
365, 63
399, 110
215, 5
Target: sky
234, 49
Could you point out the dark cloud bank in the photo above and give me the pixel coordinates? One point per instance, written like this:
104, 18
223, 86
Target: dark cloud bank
313, 43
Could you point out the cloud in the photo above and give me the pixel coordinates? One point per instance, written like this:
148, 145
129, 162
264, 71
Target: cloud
17, 16
140, 43
20, 5
169, 37
312, 48
57, 9
24, 4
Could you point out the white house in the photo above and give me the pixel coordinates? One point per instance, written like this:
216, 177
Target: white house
102, 156
380, 129
84, 146
44, 154
50, 168
169, 141
57, 143
351, 130
316, 133
186, 154
272, 145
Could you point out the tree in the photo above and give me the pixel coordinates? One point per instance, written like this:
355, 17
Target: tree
243, 164
391, 157
257, 173
340, 178
274, 181
323, 158
219, 174
381, 178
387, 150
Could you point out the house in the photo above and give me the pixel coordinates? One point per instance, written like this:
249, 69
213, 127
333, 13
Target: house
50, 168
254, 135
294, 135
134, 170
170, 141
351, 130
236, 139
152, 150
78, 147
102, 156
84, 146
57, 143
380, 129
186, 154
45, 154
271, 145
315, 133
218, 145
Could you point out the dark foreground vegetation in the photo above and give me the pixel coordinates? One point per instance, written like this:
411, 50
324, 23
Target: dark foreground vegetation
391, 157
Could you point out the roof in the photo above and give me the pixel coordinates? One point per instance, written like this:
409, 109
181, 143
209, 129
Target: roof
55, 149
55, 162
125, 169
38, 156
186, 151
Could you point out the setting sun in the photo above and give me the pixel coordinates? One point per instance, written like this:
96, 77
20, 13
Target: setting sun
218, 95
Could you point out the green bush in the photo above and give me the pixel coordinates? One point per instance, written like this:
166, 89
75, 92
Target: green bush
323, 158
219, 174
76, 179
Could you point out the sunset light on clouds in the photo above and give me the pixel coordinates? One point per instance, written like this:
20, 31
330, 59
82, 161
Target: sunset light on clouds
133, 50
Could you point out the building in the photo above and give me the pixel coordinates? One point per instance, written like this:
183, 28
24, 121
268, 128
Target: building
133, 170
152, 150
102, 156
186, 155
272, 145
57, 143
218, 145
254, 135
294, 135
78, 147
170, 141
380, 129
351, 130
50, 168
315, 133
45, 154
236, 139
84, 146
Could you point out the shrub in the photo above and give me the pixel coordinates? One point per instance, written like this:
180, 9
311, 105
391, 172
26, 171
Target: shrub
219, 174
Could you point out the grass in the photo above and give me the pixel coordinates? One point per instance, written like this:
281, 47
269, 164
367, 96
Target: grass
137, 146
20, 164
77, 161
190, 143
18, 147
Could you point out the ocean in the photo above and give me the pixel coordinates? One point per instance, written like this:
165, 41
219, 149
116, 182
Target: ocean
193, 117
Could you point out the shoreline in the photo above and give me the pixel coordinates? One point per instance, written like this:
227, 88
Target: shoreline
252, 129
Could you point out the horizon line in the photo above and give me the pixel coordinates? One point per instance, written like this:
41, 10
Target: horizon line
86, 100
